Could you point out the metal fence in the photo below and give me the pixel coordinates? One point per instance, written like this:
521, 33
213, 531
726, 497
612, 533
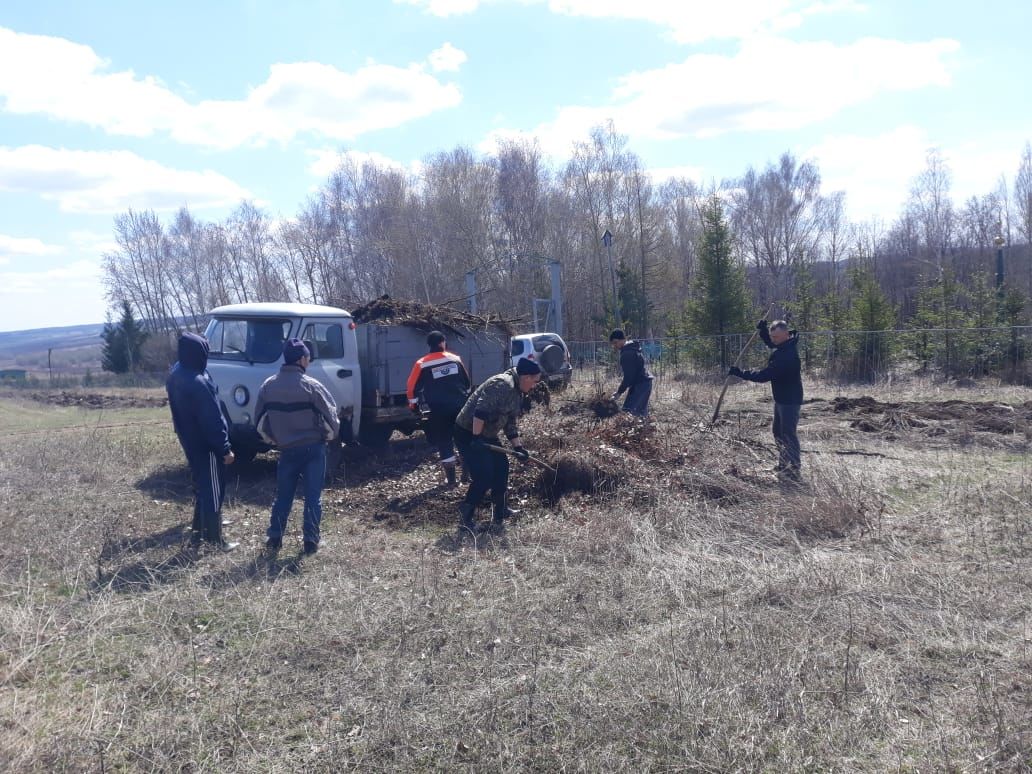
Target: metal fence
846, 355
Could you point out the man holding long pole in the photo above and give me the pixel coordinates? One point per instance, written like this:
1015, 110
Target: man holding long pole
783, 371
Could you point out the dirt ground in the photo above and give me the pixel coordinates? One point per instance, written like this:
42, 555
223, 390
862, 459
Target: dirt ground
662, 602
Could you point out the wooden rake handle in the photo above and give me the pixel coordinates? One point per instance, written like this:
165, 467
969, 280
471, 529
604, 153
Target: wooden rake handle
512, 453
727, 379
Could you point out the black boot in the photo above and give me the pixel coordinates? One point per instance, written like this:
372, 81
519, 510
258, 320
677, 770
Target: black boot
502, 511
449, 473
466, 513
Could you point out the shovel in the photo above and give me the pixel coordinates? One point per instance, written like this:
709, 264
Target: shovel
512, 452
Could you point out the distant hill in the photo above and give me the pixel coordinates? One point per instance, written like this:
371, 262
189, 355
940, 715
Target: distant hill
75, 347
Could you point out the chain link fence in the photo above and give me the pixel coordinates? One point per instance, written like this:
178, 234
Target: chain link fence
860, 356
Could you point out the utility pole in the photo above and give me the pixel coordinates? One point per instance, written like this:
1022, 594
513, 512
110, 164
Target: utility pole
607, 240
555, 272
471, 291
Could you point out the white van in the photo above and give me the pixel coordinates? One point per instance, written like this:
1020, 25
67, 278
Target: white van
246, 348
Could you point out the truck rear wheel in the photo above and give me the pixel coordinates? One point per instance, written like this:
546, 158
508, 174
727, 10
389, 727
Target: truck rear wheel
375, 436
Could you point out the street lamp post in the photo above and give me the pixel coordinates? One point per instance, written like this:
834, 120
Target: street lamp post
607, 240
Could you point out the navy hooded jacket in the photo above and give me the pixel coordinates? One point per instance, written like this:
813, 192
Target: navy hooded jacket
193, 400
783, 370
632, 363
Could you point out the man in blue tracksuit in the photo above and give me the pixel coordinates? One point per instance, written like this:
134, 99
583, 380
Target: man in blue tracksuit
637, 379
783, 371
201, 428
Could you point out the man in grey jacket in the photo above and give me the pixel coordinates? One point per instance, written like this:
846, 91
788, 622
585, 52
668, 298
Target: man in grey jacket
298, 415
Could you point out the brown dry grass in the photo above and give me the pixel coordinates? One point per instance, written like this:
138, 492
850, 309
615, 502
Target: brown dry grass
695, 617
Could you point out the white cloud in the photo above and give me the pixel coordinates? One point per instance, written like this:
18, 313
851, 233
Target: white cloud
64, 295
688, 21
878, 171
78, 275
769, 84
327, 161
92, 242
662, 174
874, 171
110, 181
444, 8
10, 246
447, 58
69, 81
695, 22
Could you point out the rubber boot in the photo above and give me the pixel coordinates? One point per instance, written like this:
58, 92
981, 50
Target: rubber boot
449, 473
466, 513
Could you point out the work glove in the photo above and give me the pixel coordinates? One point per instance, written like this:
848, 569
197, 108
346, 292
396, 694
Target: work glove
520, 453
734, 371
761, 325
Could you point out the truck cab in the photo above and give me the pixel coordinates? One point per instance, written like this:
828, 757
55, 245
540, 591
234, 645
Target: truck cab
246, 348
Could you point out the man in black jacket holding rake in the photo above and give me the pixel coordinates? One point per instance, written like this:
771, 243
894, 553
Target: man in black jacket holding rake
783, 371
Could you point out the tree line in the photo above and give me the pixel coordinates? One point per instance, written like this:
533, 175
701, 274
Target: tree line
372, 229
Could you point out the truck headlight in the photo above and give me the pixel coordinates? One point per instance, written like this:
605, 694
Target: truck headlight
241, 395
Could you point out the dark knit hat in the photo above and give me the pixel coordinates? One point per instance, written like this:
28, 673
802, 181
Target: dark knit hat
435, 339
525, 367
294, 350
617, 335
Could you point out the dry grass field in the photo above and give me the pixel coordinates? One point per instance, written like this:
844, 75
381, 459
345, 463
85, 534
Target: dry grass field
687, 613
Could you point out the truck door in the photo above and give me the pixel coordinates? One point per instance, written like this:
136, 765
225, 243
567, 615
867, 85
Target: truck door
335, 365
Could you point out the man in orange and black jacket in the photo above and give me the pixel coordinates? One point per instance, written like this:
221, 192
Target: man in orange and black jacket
442, 381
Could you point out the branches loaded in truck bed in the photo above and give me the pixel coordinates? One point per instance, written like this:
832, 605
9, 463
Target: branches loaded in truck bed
426, 317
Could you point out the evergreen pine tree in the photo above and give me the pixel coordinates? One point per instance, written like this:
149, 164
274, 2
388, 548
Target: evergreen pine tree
123, 342
804, 311
721, 301
873, 314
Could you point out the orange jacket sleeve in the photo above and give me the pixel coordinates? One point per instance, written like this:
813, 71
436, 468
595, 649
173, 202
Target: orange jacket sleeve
417, 369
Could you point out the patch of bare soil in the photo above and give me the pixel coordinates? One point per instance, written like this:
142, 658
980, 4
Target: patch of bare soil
96, 400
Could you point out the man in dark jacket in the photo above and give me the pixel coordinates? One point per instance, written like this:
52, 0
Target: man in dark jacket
783, 373
441, 380
492, 408
298, 415
637, 379
201, 428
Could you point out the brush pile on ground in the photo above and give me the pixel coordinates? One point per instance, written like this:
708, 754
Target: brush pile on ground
426, 317
934, 418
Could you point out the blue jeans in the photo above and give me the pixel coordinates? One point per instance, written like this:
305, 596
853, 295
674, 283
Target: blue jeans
309, 463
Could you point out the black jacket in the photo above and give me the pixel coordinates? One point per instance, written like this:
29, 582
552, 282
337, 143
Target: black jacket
632, 363
193, 400
782, 371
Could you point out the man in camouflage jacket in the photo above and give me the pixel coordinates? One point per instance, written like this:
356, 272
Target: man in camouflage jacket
492, 408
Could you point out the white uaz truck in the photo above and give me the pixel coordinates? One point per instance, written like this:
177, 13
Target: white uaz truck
364, 365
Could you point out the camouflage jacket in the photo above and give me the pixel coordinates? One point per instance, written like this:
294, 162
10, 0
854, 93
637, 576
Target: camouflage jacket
498, 402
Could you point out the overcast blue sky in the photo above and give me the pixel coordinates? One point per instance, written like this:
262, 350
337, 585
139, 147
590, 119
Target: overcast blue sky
110, 105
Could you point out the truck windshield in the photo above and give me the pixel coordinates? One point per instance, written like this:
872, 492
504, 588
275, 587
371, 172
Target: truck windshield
256, 340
